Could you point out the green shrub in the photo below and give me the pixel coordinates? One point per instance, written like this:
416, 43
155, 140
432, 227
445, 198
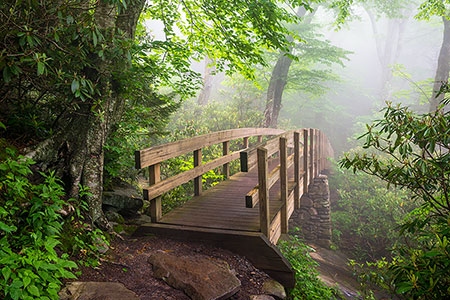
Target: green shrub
31, 233
307, 283
366, 216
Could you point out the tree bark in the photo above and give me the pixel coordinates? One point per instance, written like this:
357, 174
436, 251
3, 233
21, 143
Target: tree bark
443, 68
277, 83
80, 145
205, 93
388, 50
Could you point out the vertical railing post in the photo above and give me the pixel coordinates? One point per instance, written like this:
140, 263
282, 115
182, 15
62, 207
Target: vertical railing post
245, 142
297, 169
264, 216
319, 155
316, 152
226, 151
305, 160
154, 177
284, 185
311, 155
259, 139
197, 180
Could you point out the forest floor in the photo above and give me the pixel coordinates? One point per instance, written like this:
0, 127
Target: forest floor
126, 262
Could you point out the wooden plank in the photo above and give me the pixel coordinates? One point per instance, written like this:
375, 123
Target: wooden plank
311, 155
249, 156
153, 155
174, 181
251, 199
197, 180
225, 152
275, 228
297, 169
305, 160
154, 177
264, 221
291, 202
245, 142
283, 185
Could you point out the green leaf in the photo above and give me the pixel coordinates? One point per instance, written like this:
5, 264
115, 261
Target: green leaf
7, 228
33, 290
6, 271
40, 68
75, 85
2, 126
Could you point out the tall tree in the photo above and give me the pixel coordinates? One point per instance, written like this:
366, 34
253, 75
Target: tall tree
443, 67
70, 67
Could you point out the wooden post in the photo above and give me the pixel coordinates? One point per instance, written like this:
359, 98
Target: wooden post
226, 151
297, 169
263, 169
316, 152
311, 155
197, 180
305, 161
154, 177
284, 185
319, 151
259, 138
245, 142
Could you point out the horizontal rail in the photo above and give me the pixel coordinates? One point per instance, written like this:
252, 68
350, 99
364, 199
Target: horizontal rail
157, 154
251, 199
249, 156
164, 186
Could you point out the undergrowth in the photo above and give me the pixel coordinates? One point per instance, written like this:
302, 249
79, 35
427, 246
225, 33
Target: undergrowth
308, 286
37, 246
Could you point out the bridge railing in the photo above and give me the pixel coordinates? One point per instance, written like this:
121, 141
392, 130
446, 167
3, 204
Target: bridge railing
151, 158
310, 148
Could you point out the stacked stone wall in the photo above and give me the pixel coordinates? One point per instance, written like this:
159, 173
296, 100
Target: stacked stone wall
313, 218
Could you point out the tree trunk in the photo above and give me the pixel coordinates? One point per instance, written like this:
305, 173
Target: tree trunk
443, 68
277, 83
388, 50
80, 145
205, 93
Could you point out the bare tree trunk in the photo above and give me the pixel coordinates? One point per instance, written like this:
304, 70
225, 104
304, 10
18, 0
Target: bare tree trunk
443, 67
388, 50
278, 82
203, 98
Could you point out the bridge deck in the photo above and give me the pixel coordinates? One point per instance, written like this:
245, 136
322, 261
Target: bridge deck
223, 206
219, 216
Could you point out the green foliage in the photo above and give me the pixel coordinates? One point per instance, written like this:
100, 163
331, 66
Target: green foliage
366, 216
307, 283
31, 230
417, 150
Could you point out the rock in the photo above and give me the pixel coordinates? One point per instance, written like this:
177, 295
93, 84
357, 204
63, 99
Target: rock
139, 220
274, 288
261, 297
115, 217
124, 199
96, 291
200, 278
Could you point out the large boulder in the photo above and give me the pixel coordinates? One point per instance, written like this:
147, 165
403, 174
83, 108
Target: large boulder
96, 291
199, 277
123, 198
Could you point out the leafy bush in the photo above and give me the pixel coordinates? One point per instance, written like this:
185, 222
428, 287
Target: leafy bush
418, 151
31, 231
307, 283
366, 215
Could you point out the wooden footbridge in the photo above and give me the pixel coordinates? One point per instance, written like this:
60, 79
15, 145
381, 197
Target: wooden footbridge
248, 212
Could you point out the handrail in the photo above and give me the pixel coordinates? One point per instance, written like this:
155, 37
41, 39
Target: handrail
152, 157
316, 150
160, 153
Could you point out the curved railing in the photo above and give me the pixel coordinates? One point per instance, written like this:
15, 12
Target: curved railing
152, 157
